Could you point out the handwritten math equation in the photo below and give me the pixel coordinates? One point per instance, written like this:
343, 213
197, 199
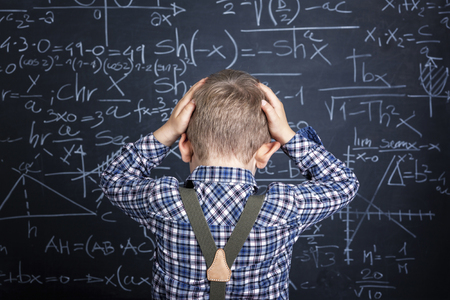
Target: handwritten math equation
79, 79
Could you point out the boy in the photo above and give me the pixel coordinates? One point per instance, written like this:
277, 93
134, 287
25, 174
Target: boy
226, 129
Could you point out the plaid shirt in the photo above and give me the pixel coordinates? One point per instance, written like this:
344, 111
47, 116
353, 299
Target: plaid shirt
261, 271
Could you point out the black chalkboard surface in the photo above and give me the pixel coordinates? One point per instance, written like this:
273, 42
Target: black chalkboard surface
79, 78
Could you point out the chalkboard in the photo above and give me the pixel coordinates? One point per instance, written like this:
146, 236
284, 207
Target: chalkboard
79, 78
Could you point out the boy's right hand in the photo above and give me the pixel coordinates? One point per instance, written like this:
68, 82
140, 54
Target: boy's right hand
273, 108
179, 119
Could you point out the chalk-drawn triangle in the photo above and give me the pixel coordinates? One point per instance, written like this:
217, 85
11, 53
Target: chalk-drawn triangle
22, 202
396, 177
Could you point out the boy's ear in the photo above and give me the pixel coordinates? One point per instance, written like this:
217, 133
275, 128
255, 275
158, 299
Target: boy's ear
265, 152
186, 149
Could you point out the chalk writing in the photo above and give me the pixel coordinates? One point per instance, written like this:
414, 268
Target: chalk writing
79, 79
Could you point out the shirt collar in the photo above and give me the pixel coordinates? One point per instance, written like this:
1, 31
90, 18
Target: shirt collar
225, 175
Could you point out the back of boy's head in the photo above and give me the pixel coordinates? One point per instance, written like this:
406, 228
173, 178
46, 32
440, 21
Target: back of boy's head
228, 120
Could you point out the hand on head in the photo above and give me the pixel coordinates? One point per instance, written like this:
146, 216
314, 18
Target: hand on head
179, 119
178, 122
278, 125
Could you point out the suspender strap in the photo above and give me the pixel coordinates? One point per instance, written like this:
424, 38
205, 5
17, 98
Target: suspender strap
199, 225
243, 228
206, 241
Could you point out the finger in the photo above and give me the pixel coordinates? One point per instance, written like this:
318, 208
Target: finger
194, 88
270, 112
182, 120
270, 95
274, 102
187, 111
187, 97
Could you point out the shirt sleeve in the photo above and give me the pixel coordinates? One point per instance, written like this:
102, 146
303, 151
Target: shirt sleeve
126, 181
330, 184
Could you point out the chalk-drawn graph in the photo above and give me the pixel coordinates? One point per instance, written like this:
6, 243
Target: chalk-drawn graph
373, 210
433, 79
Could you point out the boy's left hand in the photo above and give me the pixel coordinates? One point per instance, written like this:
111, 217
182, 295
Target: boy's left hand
179, 119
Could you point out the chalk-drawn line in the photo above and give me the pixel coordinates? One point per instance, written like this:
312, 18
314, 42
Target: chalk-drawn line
105, 10
13, 10
276, 74
300, 28
102, 7
368, 95
362, 88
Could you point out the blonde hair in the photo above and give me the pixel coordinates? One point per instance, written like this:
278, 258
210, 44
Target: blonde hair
228, 120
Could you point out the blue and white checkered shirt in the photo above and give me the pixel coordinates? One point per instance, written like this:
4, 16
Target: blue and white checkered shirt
261, 271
